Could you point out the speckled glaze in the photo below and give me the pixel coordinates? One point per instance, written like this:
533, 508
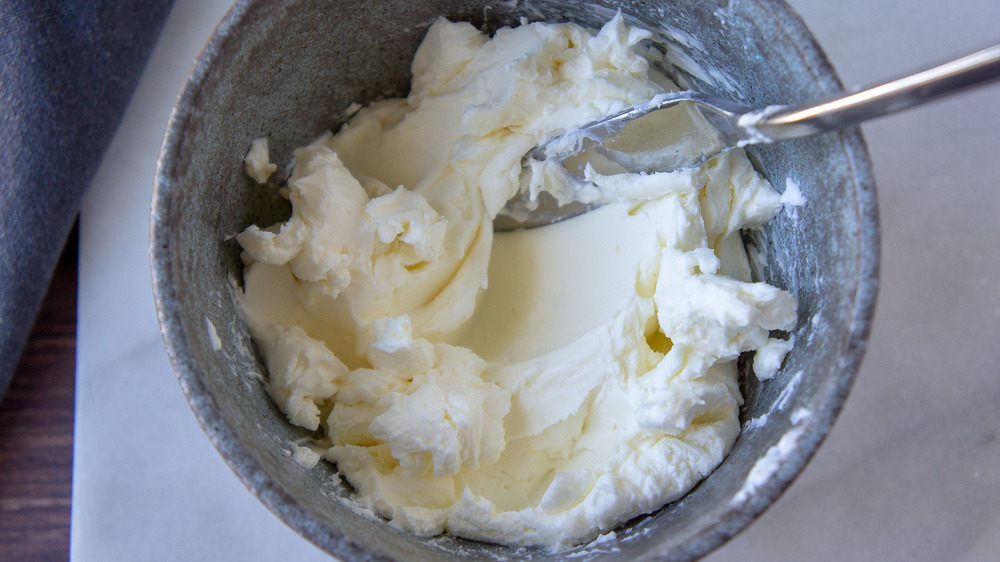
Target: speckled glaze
287, 70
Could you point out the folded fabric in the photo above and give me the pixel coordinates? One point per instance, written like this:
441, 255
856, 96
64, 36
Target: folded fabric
68, 69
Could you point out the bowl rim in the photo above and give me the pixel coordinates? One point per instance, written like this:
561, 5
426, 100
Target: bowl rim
252, 473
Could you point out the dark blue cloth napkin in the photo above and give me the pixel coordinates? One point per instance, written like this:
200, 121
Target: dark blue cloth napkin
67, 71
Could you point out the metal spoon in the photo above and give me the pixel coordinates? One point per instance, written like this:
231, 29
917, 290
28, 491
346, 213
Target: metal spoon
682, 130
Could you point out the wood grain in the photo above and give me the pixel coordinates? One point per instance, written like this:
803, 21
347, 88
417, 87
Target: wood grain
36, 428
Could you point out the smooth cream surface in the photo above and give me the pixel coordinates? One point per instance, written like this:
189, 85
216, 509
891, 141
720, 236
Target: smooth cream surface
531, 388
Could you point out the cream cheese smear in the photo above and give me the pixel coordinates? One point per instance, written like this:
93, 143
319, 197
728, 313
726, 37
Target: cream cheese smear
536, 387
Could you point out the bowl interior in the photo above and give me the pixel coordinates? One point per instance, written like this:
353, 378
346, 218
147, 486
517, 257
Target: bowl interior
288, 70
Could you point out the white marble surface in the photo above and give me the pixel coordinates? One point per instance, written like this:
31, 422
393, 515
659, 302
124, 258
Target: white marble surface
911, 471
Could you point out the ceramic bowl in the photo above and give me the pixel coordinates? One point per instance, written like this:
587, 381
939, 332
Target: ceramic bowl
288, 69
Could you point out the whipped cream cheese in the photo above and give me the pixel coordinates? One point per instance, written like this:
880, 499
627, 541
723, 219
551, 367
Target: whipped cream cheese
529, 388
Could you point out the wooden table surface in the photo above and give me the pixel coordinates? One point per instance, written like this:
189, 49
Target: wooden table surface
36, 429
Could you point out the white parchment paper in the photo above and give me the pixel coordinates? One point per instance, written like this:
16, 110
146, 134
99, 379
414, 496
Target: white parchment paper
911, 471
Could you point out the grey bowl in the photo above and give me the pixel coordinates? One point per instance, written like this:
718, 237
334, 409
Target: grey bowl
287, 69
